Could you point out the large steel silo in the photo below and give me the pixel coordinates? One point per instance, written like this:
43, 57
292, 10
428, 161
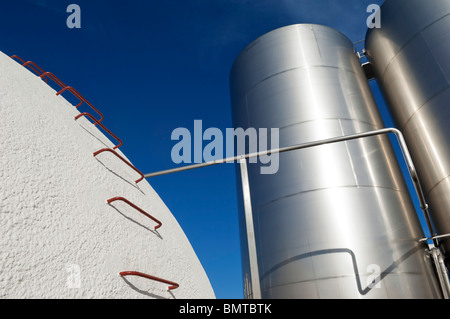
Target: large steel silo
410, 57
335, 221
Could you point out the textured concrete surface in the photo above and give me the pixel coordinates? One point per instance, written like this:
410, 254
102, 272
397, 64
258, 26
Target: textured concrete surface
59, 238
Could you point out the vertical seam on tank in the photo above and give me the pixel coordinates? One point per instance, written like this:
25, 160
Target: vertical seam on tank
434, 57
317, 43
348, 155
246, 110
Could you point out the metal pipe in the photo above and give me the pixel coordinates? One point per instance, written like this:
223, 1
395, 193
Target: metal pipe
434, 250
254, 269
396, 132
441, 271
282, 150
445, 274
434, 237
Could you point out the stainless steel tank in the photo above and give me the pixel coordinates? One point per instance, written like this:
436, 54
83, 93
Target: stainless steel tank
335, 221
410, 57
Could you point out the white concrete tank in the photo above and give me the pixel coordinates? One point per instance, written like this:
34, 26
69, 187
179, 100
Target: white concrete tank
59, 236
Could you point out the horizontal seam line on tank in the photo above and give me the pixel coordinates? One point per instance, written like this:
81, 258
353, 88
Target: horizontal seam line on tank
407, 42
298, 68
258, 39
401, 273
420, 107
437, 184
331, 118
325, 188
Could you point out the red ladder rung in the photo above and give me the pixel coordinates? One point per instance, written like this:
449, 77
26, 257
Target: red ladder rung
18, 58
111, 200
34, 67
96, 122
173, 285
53, 77
44, 75
123, 160
82, 99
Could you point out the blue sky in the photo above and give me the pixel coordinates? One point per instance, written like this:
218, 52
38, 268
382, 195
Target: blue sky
153, 66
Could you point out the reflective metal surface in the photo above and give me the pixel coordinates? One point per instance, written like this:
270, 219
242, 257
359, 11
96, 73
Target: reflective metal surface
335, 221
410, 58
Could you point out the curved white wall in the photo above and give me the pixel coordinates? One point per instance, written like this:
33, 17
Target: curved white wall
59, 238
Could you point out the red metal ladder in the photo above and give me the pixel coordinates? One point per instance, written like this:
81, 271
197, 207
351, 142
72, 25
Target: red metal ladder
48, 75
